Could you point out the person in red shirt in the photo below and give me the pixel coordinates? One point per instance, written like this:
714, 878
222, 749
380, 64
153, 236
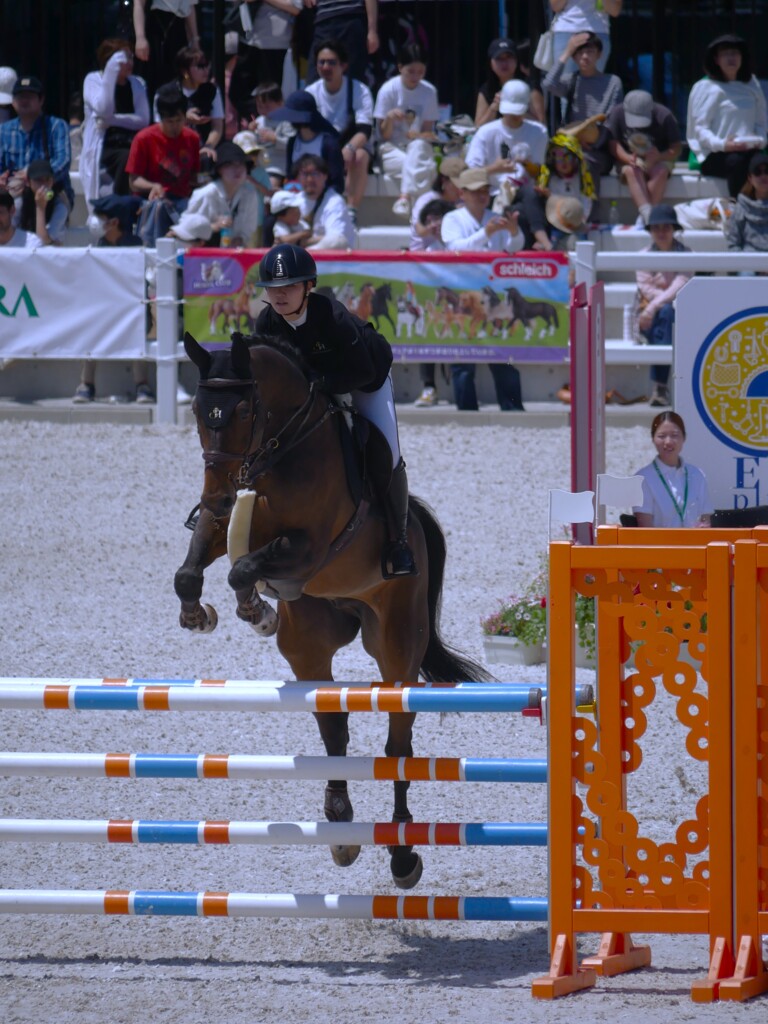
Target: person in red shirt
163, 165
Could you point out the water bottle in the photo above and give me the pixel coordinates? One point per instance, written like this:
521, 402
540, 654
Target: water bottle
613, 213
629, 323
225, 237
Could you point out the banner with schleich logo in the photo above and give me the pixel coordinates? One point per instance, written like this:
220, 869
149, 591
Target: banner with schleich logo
434, 307
58, 303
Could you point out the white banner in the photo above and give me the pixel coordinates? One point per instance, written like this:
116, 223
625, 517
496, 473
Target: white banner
721, 385
72, 303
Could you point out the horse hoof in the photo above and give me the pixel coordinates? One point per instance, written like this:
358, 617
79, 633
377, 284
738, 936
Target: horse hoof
409, 880
268, 625
343, 856
211, 619
204, 620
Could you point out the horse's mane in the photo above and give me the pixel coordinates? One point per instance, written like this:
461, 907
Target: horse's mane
282, 346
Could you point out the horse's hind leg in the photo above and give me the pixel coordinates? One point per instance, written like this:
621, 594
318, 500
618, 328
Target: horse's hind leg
406, 866
310, 631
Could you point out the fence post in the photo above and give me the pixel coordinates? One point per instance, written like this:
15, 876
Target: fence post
167, 330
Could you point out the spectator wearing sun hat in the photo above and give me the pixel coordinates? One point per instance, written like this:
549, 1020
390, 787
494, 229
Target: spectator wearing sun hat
7, 81
230, 201
444, 187
315, 135
503, 147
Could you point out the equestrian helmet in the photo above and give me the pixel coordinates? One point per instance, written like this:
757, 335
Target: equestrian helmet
286, 264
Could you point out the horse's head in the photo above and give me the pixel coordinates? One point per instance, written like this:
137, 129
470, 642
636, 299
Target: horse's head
245, 399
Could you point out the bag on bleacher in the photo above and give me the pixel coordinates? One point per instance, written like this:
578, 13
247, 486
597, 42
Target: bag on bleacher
705, 214
544, 57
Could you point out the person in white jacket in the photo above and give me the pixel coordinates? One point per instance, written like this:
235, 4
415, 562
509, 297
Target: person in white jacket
116, 107
322, 207
475, 228
727, 116
230, 202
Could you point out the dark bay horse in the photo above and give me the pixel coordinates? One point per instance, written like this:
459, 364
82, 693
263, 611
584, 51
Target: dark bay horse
266, 430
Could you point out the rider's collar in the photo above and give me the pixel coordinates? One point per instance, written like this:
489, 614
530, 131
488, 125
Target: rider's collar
298, 321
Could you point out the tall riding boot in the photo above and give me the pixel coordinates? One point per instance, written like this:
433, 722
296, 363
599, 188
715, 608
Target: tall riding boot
397, 558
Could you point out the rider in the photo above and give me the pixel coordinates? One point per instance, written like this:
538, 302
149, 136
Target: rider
348, 356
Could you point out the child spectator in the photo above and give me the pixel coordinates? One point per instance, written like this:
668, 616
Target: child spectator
503, 67
285, 207
444, 187
116, 106
10, 235
565, 173
656, 291
727, 120
747, 229
43, 207
586, 93
644, 140
406, 110
348, 105
502, 147
313, 135
229, 202
163, 164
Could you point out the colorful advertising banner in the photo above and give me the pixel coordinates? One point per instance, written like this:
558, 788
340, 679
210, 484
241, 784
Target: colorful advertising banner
721, 385
72, 303
442, 307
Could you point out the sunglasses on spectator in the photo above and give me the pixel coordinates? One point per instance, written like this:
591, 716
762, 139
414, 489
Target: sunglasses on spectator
330, 61
202, 64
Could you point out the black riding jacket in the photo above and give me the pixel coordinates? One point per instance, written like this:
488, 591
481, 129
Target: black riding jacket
340, 348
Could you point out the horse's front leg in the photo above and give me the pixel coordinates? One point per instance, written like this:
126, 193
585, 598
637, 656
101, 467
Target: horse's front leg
209, 542
337, 806
287, 557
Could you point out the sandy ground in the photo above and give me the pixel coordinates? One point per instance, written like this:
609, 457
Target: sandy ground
92, 536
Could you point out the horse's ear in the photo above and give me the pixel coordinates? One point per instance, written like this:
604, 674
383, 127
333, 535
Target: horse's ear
241, 356
199, 356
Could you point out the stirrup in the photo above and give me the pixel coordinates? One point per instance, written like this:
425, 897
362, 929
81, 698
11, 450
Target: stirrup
397, 560
193, 517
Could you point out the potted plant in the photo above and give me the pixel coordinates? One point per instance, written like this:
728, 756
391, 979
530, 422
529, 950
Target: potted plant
516, 633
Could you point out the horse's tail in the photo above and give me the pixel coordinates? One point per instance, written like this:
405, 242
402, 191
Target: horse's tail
441, 664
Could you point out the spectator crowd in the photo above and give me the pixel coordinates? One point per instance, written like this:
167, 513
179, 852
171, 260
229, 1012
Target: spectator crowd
162, 149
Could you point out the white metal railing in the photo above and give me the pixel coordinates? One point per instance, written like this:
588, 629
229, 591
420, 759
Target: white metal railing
588, 262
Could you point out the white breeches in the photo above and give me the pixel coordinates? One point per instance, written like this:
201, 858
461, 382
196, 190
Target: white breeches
415, 165
379, 408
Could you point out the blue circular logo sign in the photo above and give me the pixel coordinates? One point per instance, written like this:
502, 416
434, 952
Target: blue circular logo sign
730, 381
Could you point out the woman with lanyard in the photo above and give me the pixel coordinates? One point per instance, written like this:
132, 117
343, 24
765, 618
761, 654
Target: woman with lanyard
675, 493
346, 357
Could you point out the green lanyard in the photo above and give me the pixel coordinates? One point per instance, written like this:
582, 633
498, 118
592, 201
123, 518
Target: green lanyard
680, 512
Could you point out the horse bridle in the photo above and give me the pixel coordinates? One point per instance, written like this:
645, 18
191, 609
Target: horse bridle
254, 464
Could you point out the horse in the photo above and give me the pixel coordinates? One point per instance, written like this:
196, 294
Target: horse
234, 308
364, 305
304, 540
527, 312
498, 314
471, 306
380, 300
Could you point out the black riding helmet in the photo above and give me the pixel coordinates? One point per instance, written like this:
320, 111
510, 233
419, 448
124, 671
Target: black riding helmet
286, 264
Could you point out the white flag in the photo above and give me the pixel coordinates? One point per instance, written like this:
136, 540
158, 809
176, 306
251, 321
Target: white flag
619, 491
567, 507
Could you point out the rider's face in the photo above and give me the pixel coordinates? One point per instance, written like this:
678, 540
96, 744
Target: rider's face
287, 299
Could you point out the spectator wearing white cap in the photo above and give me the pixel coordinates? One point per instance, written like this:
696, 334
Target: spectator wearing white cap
503, 67
406, 110
497, 145
285, 207
644, 139
7, 81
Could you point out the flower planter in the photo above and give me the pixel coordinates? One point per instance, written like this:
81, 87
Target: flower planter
509, 650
